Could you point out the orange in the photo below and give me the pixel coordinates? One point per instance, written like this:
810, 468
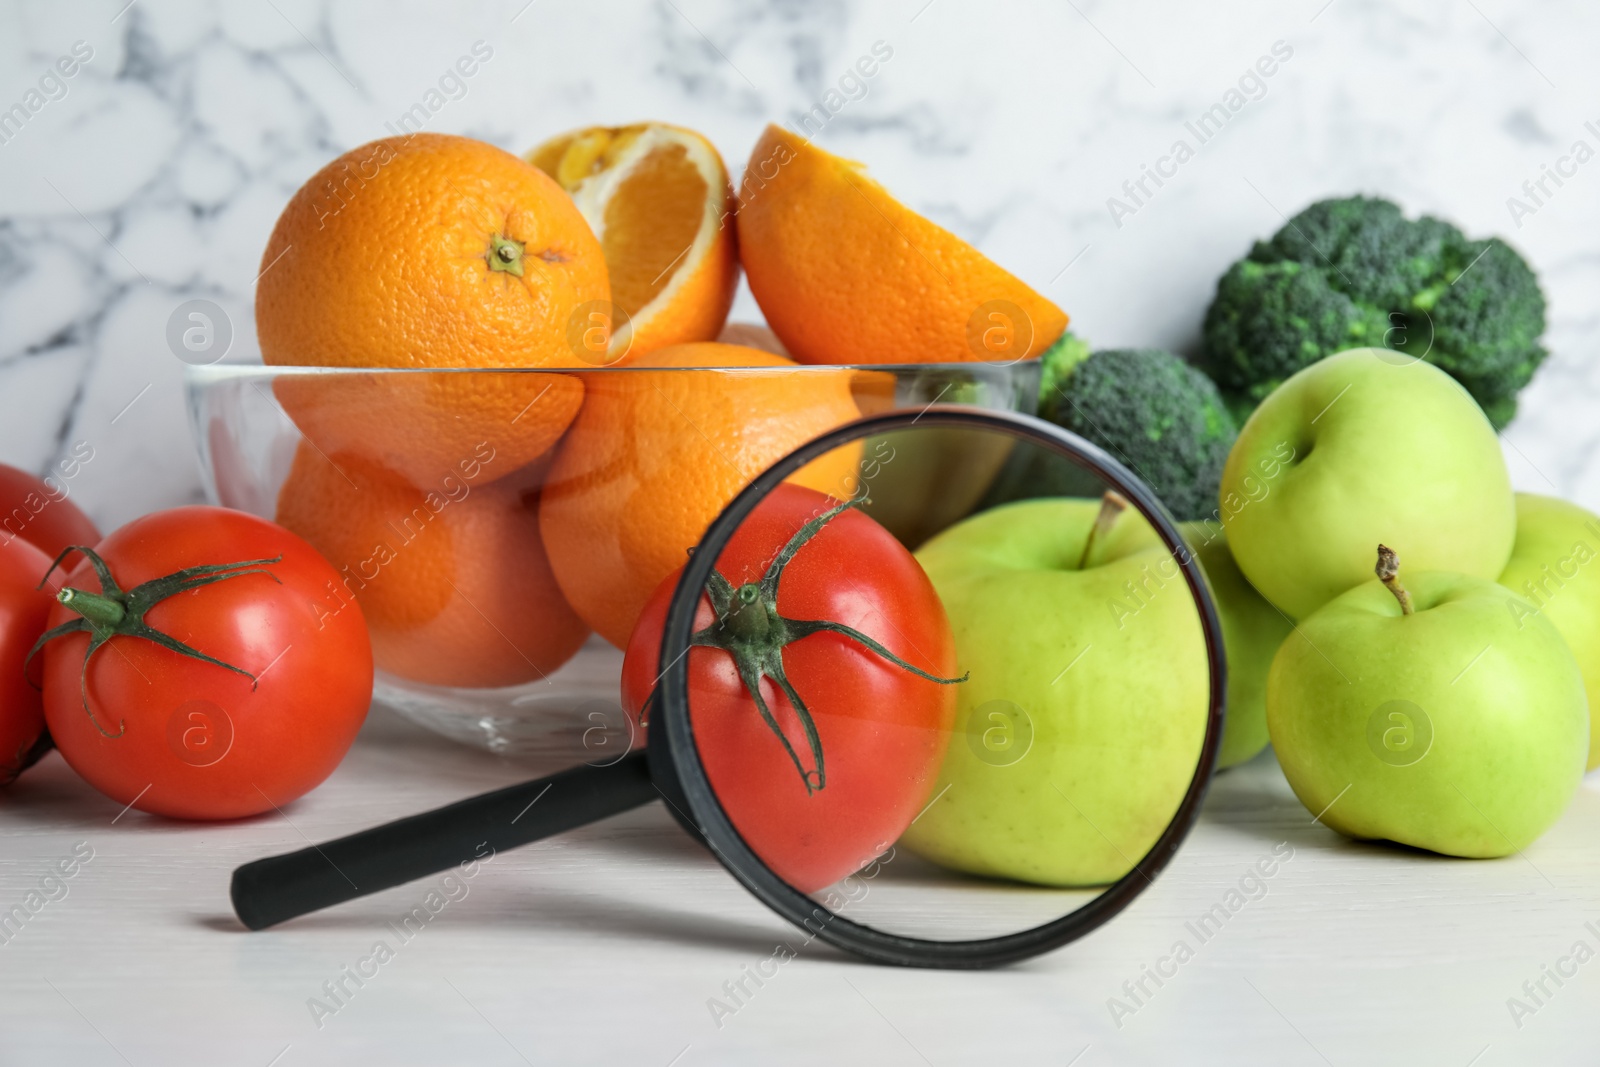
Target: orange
422, 425
656, 455
847, 274
659, 199
430, 251
453, 581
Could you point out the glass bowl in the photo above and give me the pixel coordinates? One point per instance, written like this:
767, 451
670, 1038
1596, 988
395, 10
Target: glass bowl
488, 522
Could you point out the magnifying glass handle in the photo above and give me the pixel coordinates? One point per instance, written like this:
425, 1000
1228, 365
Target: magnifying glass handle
269, 891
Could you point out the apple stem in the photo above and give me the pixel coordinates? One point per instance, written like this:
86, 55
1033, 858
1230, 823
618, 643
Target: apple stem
1112, 504
1388, 572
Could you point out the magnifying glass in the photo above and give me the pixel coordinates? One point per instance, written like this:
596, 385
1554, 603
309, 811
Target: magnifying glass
956, 711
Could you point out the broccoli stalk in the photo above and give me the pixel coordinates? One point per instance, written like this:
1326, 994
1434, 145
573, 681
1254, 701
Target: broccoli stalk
1352, 272
1161, 417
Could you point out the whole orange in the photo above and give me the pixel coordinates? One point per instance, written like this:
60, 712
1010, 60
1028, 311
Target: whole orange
655, 455
429, 251
453, 580
845, 273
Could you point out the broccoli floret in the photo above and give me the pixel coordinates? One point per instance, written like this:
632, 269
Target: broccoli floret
1355, 271
1057, 362
1486, 327
1271, 319
1370, 250
1161, 417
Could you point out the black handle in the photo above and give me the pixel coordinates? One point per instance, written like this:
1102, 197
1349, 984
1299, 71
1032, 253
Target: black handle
269, 891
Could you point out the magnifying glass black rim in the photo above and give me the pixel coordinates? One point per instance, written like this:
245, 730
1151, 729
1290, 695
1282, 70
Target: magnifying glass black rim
799, 909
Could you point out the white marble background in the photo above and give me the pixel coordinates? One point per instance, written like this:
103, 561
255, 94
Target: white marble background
157, 176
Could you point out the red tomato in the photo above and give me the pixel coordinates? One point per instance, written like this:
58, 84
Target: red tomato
178, 736
41, 514
24, 607
881, 729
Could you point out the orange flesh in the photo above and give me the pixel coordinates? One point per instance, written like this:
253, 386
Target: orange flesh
650, 223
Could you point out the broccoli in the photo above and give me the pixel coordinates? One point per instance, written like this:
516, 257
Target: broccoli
1055, 364
1148, 408
1355, 271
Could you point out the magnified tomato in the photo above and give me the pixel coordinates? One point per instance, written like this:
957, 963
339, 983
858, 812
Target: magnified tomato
24, 607
206, 665
820, 688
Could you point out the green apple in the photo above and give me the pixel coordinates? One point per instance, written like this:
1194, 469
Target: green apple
1081, 724
1364, 446
1252, 630
1552, 568
1440, 713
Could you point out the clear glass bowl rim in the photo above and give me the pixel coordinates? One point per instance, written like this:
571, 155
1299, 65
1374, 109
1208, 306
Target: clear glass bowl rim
216, 373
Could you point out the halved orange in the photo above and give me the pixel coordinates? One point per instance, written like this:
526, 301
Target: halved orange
845, 273
659, 199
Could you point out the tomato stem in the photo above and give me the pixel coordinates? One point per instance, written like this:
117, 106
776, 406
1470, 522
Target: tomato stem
749, 628
750, 617
114, 613
101, 610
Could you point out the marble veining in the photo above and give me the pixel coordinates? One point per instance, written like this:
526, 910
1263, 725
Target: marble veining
154, 173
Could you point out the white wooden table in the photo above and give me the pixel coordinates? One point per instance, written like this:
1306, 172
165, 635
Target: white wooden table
606, 945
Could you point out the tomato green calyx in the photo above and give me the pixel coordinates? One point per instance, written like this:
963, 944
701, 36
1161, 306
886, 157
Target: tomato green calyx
113, 612
750, 629
28, 757
505, 255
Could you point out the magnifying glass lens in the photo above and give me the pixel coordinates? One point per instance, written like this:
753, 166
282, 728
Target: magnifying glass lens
959, 695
